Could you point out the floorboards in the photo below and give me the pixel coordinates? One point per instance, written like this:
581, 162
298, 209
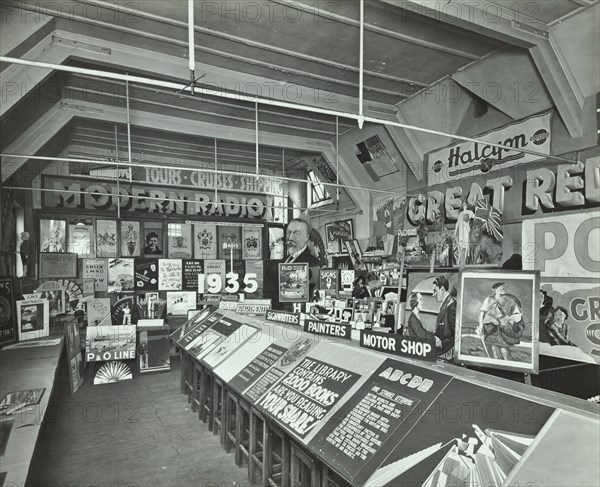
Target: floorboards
134, 433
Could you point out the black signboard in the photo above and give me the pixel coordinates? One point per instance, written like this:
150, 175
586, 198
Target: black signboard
383, 410
302, 398
327, 328
256, 368
8, 319
329, 280
191, 269
404, 346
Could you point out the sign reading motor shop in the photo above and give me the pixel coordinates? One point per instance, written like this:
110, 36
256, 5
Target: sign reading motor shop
71, 194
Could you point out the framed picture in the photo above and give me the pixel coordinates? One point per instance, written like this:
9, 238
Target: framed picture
355, 252
153, 239
130, 239
33, 319
106, 238
336, 233
81, 237
53, 236
120, 275
58, 264
180, 241
498, 320
276, 243
293, 283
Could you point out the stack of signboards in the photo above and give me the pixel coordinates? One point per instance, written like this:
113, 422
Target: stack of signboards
377, 419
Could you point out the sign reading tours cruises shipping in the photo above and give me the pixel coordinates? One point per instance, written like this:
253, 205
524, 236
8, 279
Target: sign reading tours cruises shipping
467, 159
168, 192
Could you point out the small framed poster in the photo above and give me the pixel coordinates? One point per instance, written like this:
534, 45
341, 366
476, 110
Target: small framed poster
336, 233
57, 264
180, 241
106, 238
293, 283
498, 320
153, 239
355, 252
33, 318
53, 236
130, 239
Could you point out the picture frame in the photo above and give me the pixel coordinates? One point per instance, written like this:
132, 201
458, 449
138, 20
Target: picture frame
355, 252
179, 237
58, 264
336, 233
131, 244
81, 239
153, 240
498, 320
293, 283
106, 238
33, 319
53, 236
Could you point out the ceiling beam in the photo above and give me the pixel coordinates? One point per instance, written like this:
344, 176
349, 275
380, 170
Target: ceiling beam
492, 20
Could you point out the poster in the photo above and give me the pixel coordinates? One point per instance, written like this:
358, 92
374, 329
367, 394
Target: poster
33, 318
76, 371
58, 264
96, 269
73, 348
230, 344
563, 245
255, 268
120, 275
124, 312
191, 269
98, 311
497, 321
252, 248
81, 239
293, 283
431, 309
355, 253
468, 435
215, 267
56, 299
198, 325
179, 302
230, 242
302, 398
169, 274
131, 241
347, 279
276, 243
53, 235
146, 274
73, 292
205, 241
106, 238
179, 236
112, 372
569, 317
15, 401
154, 348
153, 240
214, 336
336, 233
150, 306
104, 343
329, 280
8, 317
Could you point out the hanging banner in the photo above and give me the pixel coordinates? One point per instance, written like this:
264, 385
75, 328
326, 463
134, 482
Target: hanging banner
91, 195
469, 159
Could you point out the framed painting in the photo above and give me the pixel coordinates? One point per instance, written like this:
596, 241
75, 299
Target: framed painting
53, 235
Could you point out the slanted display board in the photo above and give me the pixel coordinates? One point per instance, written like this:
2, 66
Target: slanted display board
378, 420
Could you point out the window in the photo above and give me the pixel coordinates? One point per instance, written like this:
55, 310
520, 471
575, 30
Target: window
317, 194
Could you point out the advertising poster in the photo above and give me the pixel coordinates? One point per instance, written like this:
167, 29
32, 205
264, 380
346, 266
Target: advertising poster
104, 343
120, 275
131, 240
124, 312
469, 435
33, 318
563, 245
62, 264
355, 252
81, 240
150, 306
276, 243
336, 233
53, 236
96, 269
214, 267
252, 248
230, 344
98, 311
169, 274
497, 322
194, 320
153, 240
230, 242
106, 238
376, 417
154, 348
56, 300
179, 302
73, 293
146, 274
213, 337
191, 269
255, 267
329, 280
73, 348
8, 317
205, 241
198, 327
569, 319
293, 283
180, 244
431, 309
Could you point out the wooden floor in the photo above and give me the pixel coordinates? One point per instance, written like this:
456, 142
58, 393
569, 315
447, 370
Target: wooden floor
134, 433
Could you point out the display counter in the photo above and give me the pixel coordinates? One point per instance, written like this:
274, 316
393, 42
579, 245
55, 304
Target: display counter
297, 407
25, 368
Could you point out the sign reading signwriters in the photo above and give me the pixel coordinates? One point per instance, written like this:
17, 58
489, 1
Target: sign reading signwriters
283, 317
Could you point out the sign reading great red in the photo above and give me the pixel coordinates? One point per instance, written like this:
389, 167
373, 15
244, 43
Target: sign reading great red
92, 195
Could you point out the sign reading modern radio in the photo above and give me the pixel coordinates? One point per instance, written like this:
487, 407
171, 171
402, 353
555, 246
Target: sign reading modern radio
91, 195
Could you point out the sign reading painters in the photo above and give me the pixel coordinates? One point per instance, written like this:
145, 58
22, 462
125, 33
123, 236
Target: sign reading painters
329, 329
302, 398
92, 195
468, 159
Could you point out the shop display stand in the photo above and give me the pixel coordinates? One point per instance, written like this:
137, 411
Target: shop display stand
304, 470
255, 446
196, 386
242, 433
276, 468
206, 407
219, 401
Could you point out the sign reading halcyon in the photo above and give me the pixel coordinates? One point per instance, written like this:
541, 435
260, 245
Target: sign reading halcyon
468, 159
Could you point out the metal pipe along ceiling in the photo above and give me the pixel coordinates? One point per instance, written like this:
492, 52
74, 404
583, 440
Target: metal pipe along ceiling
263, 101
